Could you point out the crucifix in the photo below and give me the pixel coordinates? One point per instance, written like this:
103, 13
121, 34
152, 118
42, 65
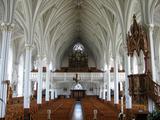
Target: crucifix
76, 78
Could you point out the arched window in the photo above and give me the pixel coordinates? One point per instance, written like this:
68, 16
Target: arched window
78, 47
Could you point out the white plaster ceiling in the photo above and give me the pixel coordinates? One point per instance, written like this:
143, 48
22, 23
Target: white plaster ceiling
54, 25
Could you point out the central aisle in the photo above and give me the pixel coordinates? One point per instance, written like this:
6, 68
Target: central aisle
77, 113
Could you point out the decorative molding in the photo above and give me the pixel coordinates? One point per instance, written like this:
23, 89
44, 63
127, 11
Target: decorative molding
7, 27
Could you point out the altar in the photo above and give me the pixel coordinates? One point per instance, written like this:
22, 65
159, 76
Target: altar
78, 94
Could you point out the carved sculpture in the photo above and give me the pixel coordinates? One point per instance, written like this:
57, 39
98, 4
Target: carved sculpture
137, 42
137, 39
141, 86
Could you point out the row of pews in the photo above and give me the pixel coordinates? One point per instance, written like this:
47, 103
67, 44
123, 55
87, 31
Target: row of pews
110, 111
93, 105
62, 109
14, 112
59, 109
14, 109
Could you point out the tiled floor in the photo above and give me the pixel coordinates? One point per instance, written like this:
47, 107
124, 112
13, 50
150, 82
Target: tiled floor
77, 113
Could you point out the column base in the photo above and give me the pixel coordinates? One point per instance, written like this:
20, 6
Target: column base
26, 114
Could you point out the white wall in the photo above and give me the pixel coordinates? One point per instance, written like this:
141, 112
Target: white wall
65, 61
91, 61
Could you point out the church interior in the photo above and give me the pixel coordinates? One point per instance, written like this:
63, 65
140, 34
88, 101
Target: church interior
79, 59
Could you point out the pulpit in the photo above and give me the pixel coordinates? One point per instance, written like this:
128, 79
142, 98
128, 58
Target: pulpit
78, 94
139, 87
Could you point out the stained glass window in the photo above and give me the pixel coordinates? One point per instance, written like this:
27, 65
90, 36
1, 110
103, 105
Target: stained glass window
78, 47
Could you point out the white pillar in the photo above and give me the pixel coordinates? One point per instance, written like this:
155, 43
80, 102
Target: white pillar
116, 91
15, 78
56, 94
52, 94
6, 38
104, 85
100, 91
30, 69
47, 82
151, 28
40, 72
27, 76
127, 72
151, 103
104, 92
108, 86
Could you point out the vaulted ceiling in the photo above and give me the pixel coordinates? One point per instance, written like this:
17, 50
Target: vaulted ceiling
52, 26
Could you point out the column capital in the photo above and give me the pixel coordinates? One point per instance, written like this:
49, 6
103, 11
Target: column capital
151, 27
40, 57
7, 26
28, 46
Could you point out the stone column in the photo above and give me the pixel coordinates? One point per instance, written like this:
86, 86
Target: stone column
14, 81
52, 94
26, 103
151, 104
47, 82
104, 86
100, 91
40, 72
151, 28
56, 94
108, 85
116, 90
30, 80
104, 91
127, 72
6, 38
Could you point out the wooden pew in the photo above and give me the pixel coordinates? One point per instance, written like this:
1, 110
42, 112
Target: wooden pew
103, 111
